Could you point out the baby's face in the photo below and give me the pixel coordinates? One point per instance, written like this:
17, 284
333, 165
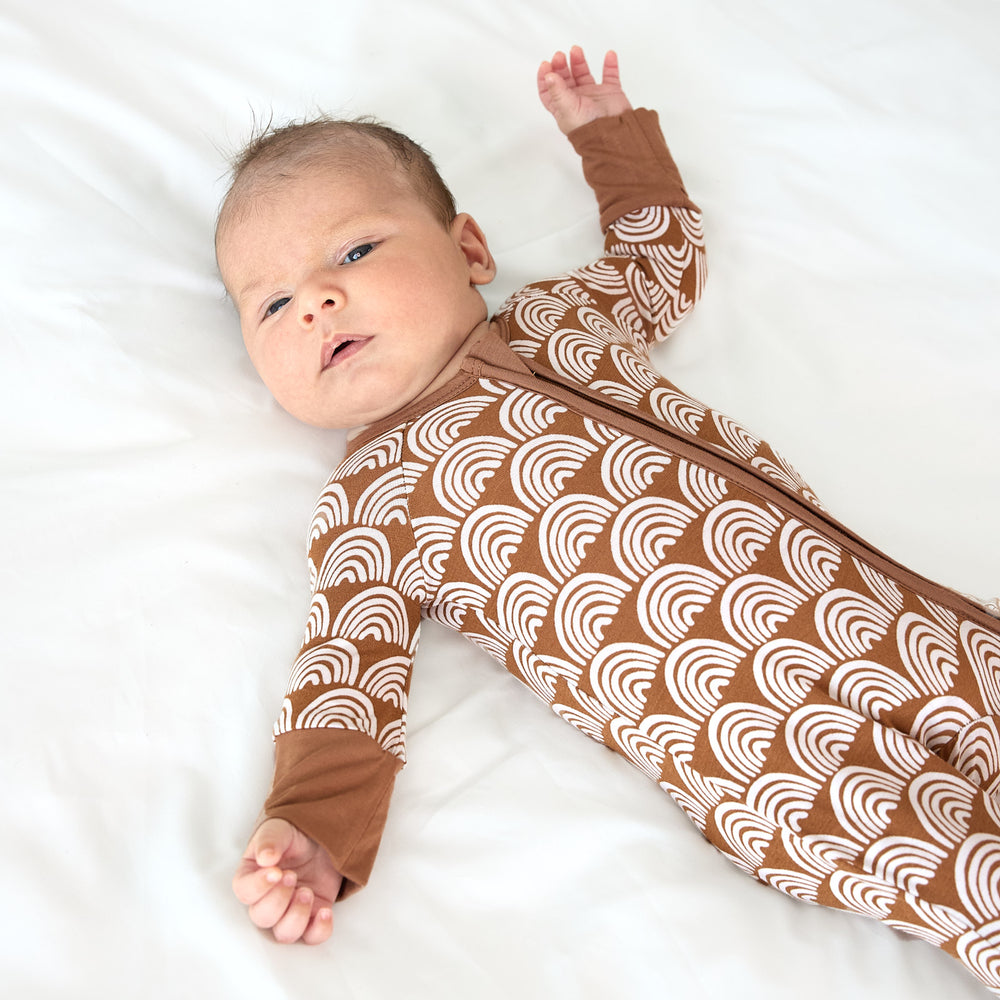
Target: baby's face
354, 300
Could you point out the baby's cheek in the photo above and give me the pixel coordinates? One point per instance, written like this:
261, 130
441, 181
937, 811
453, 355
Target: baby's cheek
278, 366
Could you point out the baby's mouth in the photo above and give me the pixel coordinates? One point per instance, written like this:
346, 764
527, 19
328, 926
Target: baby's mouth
335, 353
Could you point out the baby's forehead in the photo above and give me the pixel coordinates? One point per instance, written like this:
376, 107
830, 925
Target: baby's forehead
262, 187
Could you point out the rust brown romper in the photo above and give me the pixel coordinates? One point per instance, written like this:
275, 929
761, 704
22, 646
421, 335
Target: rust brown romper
668, 584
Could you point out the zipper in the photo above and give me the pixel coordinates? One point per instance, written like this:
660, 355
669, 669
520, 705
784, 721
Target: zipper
593, 404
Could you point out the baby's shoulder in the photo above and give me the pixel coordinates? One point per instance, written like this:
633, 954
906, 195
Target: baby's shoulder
364, 502
589, 308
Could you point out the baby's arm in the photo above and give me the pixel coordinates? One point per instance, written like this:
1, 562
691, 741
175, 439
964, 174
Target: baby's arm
572, 96
654, 256
287, 883
339, 735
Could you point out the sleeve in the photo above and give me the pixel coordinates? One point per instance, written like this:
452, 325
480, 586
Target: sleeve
626, 161
654, 245
339, 741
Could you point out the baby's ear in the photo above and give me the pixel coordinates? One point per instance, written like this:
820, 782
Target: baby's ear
471, 241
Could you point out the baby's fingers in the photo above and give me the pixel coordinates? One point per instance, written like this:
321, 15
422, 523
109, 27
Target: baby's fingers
269, 842
268, 911
560, 64
320, 927
579, 70
543, 84
610, 76
298, 922
252, 883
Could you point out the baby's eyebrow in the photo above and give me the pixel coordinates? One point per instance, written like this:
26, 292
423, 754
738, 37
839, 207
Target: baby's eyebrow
247, 289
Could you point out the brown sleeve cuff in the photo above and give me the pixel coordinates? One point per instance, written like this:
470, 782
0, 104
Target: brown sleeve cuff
335, 785
627, 163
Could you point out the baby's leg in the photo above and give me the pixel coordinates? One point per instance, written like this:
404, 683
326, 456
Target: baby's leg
877, 790
889, 830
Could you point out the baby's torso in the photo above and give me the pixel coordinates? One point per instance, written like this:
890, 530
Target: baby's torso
633, 556
574, 550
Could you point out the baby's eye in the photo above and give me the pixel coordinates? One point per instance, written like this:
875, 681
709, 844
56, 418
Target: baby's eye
276, 305
358, 252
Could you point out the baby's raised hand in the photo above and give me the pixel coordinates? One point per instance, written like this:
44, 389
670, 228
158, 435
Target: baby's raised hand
287, 883
572, 96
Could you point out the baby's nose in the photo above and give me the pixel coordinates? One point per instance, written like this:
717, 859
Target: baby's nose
308, 316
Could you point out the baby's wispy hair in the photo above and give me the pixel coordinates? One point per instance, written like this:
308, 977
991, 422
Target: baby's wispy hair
276, 152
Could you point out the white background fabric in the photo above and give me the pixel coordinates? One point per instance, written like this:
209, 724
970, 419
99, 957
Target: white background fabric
155, 501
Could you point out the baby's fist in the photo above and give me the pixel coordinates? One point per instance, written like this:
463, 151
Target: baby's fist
287, 883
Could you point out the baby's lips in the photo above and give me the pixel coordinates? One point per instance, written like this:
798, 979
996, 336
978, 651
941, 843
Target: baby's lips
349, 346
330, 348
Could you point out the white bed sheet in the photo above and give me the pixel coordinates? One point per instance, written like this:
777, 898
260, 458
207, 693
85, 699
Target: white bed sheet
155, 500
